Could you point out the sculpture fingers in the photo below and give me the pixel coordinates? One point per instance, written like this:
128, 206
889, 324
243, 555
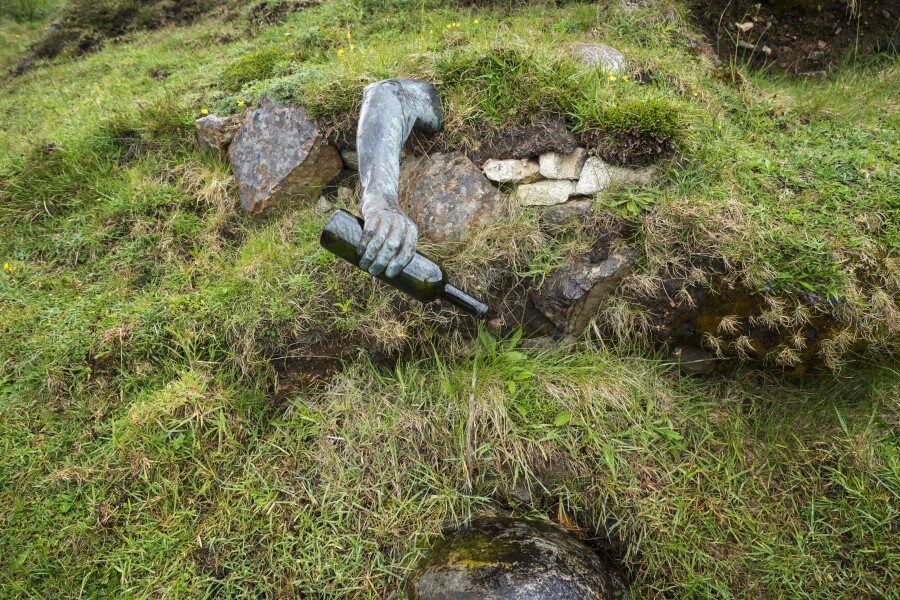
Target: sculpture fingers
374, 245
389, 248
405, 254
371, 227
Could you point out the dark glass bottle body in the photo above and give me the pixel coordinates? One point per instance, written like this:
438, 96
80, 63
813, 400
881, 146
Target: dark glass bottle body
421, 279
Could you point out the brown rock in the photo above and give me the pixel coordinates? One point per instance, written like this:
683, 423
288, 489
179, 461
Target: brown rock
214, 133
446, 196
280, 155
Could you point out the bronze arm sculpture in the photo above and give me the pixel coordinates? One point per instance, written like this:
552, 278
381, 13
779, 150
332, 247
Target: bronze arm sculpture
391, 108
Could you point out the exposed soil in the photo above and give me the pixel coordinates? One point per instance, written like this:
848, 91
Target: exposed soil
267, 13
629, 148
84, 26
524, 142
798, 36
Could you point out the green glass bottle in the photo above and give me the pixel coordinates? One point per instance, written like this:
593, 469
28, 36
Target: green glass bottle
421, 279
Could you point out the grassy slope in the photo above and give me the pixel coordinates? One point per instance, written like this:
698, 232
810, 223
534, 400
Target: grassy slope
145, 453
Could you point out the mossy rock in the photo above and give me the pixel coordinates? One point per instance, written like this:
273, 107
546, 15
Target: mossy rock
504, 558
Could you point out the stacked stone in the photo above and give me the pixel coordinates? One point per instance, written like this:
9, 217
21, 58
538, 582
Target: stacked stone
554, 178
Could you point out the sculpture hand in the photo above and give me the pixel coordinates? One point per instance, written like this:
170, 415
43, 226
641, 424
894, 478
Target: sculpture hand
388, 241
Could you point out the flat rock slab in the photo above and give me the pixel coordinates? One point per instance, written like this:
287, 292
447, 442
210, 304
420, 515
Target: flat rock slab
572, 294
554, 165
214, 133
446, 196
280, 155
545, 193
513, 170
600, 56
511, 559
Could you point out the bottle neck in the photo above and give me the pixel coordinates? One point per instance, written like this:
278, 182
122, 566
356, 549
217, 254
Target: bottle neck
463, 301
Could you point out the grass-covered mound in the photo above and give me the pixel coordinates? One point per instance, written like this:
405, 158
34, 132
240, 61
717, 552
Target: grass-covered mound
175, 418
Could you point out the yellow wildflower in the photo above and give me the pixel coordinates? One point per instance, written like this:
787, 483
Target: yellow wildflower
612, 77
240, 103
475, 21
204, 112
340, 51
7, 267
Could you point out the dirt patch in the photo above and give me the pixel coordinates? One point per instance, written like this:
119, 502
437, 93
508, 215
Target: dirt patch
268, 13
798, 36
314, 360
524, 141
85, 25
632, 148
732, 318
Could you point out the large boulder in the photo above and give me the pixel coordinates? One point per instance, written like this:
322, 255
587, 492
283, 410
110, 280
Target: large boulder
511, 559
446, 196
572, 294
214, 133
280, 155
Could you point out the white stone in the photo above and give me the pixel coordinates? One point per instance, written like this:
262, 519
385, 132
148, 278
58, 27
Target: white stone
521, 170
563, 166
594, 177
600, 56
545, 193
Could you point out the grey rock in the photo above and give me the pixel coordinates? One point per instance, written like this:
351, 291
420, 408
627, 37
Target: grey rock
511, 559
350, 159
595, 177
215, 133
571, 295
694, 360
573, 210
280, 155
563, 166
446, 196
545, 193
600, 56
513, 170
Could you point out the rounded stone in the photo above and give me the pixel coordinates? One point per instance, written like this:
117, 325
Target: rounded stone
511, 559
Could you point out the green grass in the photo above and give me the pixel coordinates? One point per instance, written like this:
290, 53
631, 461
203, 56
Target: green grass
161, 433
